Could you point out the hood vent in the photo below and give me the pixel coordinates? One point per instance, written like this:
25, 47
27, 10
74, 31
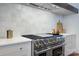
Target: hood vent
67, 6
57, 8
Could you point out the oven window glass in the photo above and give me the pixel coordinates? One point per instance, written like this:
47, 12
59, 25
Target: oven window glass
57, 51
42, 54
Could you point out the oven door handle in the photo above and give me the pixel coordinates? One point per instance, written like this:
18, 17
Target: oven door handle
38, 52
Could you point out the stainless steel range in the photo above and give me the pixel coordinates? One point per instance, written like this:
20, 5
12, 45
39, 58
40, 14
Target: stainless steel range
47, 45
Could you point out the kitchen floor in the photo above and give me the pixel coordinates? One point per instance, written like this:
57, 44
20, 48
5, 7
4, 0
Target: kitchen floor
74, 54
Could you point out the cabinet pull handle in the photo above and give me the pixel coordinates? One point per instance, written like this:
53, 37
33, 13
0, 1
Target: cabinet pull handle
20, 48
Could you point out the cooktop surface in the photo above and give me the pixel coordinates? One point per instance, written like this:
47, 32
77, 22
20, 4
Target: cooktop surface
41, 36
32, 36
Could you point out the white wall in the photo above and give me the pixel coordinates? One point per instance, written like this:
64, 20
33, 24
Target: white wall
25, 20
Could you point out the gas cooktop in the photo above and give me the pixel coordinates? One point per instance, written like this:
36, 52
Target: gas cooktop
41, 36
32, 36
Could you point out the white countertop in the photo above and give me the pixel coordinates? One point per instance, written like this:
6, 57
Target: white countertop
14, 40
68, 34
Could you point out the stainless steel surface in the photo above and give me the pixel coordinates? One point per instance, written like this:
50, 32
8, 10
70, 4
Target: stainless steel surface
43, 45
49, 48
50, 7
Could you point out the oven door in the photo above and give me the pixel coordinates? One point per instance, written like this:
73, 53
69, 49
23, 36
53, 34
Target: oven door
58, 51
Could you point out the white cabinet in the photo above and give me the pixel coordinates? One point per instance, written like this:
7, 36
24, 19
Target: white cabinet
19, 49
70, 43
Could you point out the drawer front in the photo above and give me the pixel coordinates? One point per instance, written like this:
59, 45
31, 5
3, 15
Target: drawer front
16, 49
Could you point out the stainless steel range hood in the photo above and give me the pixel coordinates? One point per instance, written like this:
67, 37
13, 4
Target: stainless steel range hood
57, 8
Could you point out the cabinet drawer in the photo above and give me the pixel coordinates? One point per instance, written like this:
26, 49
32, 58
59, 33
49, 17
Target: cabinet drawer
16, 49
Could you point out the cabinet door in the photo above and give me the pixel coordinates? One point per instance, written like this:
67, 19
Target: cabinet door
21, 49
70, 44
26, 50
